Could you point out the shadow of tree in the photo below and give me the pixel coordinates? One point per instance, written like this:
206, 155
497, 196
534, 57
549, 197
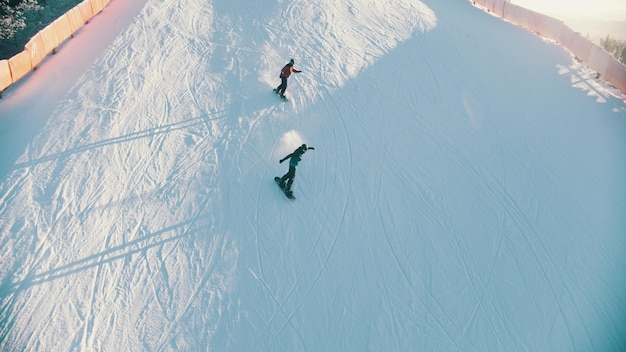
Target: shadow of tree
124, 251
149, 133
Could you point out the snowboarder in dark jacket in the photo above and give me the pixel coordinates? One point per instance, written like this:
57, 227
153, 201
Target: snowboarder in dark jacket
284, 74
294, 159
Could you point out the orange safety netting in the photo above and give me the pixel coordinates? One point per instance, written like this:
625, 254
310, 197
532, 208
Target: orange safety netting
20, 65
36, 50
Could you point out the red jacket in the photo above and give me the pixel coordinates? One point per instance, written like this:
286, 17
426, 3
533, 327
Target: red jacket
287, 70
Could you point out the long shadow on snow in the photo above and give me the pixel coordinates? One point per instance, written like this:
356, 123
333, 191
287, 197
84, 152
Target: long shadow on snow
124, 251
149, 133
9, 291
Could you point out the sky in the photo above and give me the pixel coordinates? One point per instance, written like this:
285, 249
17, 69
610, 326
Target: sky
610, 10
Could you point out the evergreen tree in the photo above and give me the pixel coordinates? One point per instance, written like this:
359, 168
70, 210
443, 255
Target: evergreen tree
12, 16
617, 48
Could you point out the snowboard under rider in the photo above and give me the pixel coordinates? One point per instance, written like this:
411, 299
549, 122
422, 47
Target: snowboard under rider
284, 74
294, 159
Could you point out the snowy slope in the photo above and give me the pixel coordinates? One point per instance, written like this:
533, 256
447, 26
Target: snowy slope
466, 191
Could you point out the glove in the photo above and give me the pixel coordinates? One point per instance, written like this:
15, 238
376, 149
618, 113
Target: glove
281, 161
310, 148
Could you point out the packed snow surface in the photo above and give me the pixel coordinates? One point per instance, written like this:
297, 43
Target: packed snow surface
466, 192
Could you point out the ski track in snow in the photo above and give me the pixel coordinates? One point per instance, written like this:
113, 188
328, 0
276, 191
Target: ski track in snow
439, 209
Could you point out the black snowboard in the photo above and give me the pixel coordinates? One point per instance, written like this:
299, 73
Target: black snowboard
283, 98
288, 194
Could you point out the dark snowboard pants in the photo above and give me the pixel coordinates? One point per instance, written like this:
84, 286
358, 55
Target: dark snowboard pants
282, 87
289, 176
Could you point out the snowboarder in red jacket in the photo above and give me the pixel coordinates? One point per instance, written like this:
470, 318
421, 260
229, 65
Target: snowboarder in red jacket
284, 74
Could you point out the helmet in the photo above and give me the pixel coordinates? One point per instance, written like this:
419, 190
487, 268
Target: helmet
291, 61
303, 147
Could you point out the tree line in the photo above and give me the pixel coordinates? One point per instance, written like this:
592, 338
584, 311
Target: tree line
13, 16
615, 47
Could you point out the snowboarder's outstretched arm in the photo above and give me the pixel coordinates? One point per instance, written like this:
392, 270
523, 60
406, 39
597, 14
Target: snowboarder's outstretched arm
285, 158
298, 153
